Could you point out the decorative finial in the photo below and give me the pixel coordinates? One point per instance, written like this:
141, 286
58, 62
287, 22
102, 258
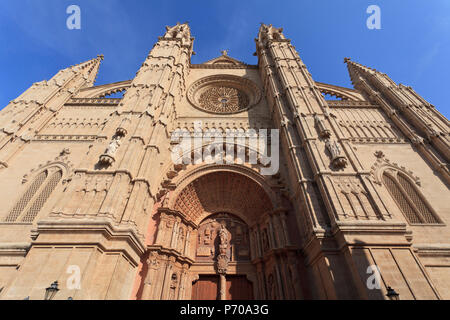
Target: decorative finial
379, 154
224, 52
101, 56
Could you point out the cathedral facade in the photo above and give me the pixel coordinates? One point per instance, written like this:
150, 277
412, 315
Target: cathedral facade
98, 195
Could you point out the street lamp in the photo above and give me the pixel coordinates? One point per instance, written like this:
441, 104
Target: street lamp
51, 291
392, 294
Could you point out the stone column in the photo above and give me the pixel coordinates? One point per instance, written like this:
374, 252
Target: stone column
223, 287
222, 261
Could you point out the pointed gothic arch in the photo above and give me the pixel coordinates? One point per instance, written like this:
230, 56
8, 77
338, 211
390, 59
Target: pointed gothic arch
403, 187
31, 201
408, 198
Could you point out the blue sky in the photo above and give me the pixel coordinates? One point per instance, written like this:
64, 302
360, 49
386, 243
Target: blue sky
413, 46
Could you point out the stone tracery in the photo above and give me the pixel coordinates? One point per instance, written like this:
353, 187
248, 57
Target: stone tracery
222, 191
223, 100
224, 94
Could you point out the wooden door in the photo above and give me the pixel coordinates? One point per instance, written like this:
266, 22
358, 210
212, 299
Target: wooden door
206, 288
239, 288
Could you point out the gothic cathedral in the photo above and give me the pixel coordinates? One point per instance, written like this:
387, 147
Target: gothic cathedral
93, 197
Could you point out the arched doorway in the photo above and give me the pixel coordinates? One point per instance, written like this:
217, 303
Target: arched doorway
221, 234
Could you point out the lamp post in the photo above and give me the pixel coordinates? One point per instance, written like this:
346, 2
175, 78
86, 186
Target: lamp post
392, 294
51, 291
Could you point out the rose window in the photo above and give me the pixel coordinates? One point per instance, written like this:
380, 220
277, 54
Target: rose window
223, 100
224, 94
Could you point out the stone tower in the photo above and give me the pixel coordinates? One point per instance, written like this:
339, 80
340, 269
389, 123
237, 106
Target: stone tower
98, 195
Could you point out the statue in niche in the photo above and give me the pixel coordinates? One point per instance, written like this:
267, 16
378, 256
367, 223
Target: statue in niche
223, 234
152, 261
208, 235
173, 285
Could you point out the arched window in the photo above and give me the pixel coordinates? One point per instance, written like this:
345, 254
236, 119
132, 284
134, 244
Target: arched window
409, 199
34, 198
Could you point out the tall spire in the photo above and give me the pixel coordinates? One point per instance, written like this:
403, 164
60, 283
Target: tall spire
426, 124
356, 69
24, 115
88, 69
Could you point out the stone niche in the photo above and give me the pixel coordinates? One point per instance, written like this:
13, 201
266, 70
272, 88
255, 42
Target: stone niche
208, 238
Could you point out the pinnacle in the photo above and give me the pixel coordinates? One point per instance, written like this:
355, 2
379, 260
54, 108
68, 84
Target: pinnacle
360, 66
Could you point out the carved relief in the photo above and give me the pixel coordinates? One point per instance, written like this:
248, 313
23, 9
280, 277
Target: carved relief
68, 126
222, 238
354, 198
367, 124
223, 258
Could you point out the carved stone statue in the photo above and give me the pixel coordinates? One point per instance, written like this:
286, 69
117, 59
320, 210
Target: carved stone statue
222, 258
223, 234
112, 147
337, 158
323, 130
108, 156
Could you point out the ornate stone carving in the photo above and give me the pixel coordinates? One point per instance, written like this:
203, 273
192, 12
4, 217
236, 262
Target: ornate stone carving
355, 200
222, 258
152, 261
108, 156
383, 164
112, 147
121, 131
224, 94
179, 31
338, 160
324, 132
223, 100
222, 238
64, 152
379, 154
